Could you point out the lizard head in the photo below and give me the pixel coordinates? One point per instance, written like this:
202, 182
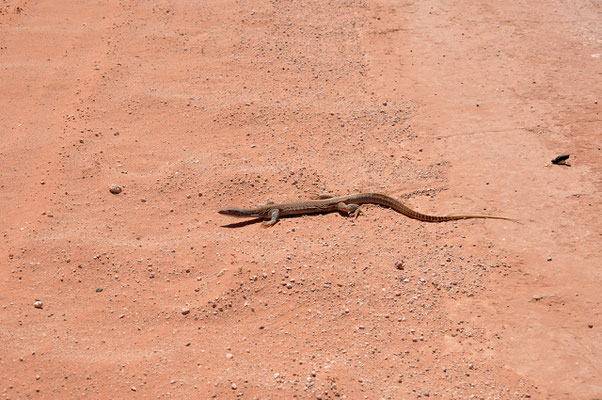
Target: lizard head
235, 212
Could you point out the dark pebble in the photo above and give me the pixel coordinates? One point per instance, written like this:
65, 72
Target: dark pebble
115, 189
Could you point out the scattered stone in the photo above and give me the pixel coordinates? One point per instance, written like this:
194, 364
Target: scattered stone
561, 159
98, 289
38, 304
229, 356
133, 388
399, 264
185, 311
549, 259
537, 297
234, 386
115, 189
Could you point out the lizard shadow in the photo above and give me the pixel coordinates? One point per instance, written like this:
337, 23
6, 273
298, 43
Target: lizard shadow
243, 223
259, 220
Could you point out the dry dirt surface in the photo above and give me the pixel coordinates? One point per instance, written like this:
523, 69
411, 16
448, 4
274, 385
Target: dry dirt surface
192, 106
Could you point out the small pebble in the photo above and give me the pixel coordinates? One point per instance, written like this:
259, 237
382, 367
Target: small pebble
234, 386
38, 304
98, 290
115, 189
229, 355
185, 311
549, 259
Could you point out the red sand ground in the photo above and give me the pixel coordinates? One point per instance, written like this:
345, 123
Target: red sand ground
191, 106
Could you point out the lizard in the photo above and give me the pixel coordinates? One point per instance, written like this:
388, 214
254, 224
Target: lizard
349, 204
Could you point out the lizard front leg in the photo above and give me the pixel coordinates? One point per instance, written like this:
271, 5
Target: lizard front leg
274, 214
267, 203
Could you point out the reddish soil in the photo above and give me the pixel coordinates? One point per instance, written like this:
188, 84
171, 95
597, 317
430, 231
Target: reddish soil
191, 106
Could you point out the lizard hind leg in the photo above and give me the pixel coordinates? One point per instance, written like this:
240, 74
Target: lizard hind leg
323, 196
353, 210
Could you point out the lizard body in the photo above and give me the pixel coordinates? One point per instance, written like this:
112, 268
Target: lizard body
349, 204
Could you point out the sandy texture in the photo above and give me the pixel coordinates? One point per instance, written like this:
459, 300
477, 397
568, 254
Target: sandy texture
191, 106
